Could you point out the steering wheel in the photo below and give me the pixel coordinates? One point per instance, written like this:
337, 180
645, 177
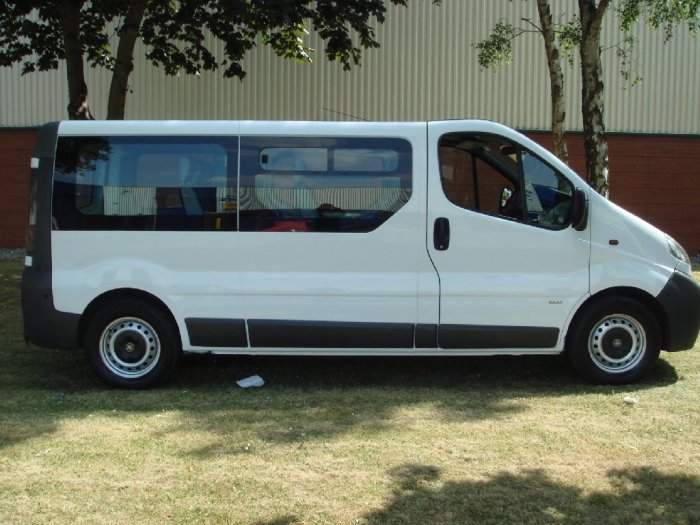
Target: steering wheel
513, 206
559, 214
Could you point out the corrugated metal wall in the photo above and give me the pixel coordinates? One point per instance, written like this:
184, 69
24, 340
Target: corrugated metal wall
425, 69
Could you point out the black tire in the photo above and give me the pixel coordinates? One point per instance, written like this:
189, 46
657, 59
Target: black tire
614, 341
132, 344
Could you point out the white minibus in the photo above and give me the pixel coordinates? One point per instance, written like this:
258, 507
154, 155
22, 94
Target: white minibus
463, 237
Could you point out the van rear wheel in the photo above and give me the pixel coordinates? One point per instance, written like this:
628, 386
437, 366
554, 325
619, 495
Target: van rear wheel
614, 341
131, 344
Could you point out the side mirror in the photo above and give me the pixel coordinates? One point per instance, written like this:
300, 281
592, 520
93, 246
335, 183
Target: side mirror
579, 212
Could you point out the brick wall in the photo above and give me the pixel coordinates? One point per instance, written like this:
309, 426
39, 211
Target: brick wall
16, 150
655, 177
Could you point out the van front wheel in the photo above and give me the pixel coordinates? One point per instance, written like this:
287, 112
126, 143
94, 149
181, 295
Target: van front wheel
131, 344
614, 341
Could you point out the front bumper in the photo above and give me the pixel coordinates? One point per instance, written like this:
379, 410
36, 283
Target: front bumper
680, 301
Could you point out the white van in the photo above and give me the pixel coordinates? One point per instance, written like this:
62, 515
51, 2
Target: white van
149, 239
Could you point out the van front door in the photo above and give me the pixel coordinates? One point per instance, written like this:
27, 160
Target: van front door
512, 268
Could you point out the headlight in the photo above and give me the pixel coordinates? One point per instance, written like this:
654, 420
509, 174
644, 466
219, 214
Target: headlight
677, 250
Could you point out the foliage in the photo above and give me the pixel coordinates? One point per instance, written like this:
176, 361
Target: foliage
569, 36
666, 14
30, 31
497, 49
625, 52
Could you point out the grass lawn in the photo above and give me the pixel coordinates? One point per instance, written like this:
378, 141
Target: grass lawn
344, 440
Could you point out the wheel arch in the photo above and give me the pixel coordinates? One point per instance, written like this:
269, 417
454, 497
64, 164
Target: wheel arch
642, 297
122, 294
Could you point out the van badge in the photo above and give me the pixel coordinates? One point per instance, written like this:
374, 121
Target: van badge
556, 302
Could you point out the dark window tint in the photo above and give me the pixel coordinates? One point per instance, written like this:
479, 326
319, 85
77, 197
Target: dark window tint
145, 183
322, 184
492, 175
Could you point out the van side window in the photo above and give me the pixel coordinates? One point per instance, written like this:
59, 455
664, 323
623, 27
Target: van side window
492, 175
294, 159
145, 183
322, 184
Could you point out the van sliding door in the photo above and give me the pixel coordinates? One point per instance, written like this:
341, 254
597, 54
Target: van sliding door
328, 239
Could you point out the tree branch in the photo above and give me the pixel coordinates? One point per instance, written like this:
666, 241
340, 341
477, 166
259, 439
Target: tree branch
600, 13
537, 28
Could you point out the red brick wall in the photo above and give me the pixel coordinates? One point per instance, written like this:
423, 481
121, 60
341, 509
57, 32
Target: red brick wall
655, 177
16, 150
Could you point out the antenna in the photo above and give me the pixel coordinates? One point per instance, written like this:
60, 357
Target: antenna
344, 114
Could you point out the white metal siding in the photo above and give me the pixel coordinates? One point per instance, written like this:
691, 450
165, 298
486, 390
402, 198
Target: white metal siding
425, 69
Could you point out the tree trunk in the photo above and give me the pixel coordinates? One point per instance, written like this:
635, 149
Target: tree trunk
124, 64
78, 108
556, 80
595, 140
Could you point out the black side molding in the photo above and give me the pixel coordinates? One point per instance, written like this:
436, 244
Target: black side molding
477, 336
325, 334
426, 336
217, 333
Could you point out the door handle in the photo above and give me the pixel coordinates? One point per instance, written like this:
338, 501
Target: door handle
441, 234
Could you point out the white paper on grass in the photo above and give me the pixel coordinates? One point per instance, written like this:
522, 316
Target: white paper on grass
252, 381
